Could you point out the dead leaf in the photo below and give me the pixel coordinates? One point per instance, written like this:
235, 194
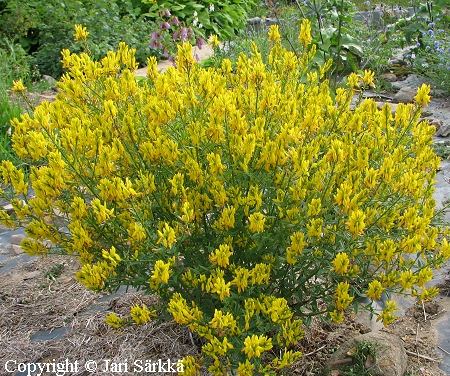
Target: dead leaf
352, 352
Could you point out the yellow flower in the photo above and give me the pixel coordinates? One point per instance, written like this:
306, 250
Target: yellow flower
222, 321
216, 347
136, 232
367, 79
337, 316
341, 263
255, 345
305, 33
214, 41
343, 299
387, 316
167, 236
221, 256
18, 86
161, 273
353, 80
245, 369
315, 227
101, 210
274, 34
112, 320
356, 223
287, 359
241, 276
375, 290
407, 279
112, 256
226, 220
190, 366
422, 97
141, 315
260, 274
80, 33
256, 222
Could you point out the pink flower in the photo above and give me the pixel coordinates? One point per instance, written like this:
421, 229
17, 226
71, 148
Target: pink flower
175, 20
167, 12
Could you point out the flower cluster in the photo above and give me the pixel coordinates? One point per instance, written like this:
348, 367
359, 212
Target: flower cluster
249, 200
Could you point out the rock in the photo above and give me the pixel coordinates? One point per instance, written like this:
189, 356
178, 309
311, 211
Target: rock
444, 131
9, 209
17, 238
389, 77
391, 358
50, 80
393, 106
16, 250
405, 95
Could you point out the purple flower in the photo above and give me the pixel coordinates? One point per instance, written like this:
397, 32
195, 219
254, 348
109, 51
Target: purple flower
154, 35
190, 32
197, 57
166, 25
175, 20
200, 42
175, 36
166, 53
167, 13
183, 34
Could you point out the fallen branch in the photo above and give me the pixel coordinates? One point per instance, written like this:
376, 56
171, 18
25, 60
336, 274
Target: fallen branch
422, 356
440, 348
313, 352
343, 361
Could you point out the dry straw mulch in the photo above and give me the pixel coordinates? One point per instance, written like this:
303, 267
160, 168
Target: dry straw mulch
43, 295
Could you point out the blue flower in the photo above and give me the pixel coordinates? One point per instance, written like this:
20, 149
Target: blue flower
438, 20
436, 45
431, 24
417, 44
440, 51
430, 32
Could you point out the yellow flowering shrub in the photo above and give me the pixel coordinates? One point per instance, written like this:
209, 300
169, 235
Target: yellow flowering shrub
249, 200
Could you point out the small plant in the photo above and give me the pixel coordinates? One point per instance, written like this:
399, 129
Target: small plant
250, 200
442, 149
54, 272
364, 359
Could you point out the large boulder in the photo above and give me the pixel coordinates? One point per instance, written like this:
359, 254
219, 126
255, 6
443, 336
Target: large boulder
390, 355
